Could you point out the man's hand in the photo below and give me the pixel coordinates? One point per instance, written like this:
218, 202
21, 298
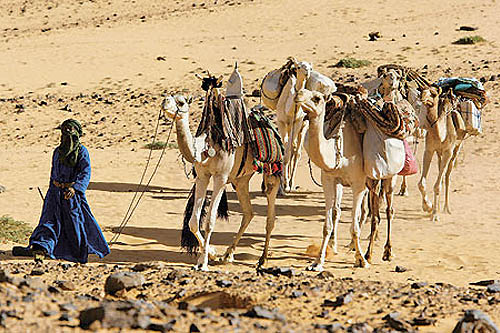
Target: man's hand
70, 193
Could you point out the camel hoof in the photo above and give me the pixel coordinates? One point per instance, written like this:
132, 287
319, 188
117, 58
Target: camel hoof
201, 268
435, 218
426, 207
447, 210
368, 257
227, 258
404, 193
316, 267
361, 262
262, 262
212, 253
388, 256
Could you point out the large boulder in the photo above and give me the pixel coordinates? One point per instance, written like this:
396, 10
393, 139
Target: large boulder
123, 280
475, 321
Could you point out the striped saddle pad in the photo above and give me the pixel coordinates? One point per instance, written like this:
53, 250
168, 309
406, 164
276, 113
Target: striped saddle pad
265, 142
397, 121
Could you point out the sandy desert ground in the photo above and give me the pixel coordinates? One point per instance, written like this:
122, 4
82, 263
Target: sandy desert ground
107, 63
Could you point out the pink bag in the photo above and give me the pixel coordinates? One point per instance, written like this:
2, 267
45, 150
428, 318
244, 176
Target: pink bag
411, 166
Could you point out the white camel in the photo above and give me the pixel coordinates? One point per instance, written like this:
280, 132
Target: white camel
337, 170
278, 91
443, 138
223, 167
341, 161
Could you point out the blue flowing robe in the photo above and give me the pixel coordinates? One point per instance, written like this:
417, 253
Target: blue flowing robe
67, 228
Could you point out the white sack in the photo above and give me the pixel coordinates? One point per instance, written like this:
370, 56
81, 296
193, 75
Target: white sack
472, 117
383, 156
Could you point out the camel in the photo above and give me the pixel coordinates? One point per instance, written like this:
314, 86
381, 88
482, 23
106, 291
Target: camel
290, 118
343, 168
442, 138
234, 167
336, 172
390, 83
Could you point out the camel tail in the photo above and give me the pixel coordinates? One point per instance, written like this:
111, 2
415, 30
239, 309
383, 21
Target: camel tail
189, 242
223, 209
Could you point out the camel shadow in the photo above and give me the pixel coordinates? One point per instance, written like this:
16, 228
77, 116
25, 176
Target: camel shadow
130, 187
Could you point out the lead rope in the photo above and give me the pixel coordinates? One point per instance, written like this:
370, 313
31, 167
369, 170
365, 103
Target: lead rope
312, 176
131, 210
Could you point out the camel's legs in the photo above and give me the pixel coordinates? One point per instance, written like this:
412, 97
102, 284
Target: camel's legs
388, 185
426, 204
373, 196
404, 188
357, 199
242, 191
202, 181
272, 186
284, 134
300, 131
218, 190
451, 165
333, 197
444, 164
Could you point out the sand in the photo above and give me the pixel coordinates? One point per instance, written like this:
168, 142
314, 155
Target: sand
109, 62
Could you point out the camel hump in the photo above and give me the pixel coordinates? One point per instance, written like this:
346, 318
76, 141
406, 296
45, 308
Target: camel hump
235, 83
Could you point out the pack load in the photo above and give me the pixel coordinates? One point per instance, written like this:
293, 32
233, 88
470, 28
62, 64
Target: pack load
383, 156
472, 98
410, 166
394, 120
265, 142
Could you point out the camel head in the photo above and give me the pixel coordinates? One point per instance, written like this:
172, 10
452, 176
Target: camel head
390, 81
312, 102
304, 68
173, 104
430, 97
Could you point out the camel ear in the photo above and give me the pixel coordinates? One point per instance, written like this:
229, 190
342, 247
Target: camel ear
219, 80
189, 99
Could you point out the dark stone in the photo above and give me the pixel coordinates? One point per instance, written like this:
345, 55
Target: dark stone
49, 313
484, 283
493, 288
418, 285
65, 317
467, 28
123, 280
400, 269
475, 321
325, 275
110, 315
374, 35
393, 320
260, 312
140, 267
259, 326
339, 301
360, 328
330, 328
162, 327
224, 283
2, 188
194, 329
297, 294
37, 272
277, 271
66, 108
66, 285
255, 93
5, 275
422, 321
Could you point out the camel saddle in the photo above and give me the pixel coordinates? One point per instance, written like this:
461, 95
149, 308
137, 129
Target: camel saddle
265, 142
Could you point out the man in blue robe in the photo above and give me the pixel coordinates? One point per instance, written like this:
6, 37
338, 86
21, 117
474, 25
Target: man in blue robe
67, 229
